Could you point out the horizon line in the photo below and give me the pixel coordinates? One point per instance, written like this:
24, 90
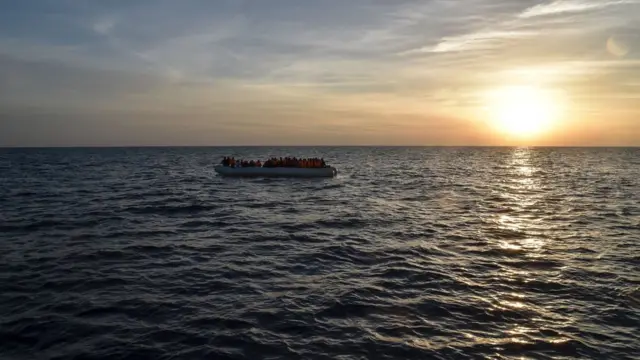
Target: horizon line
310, 146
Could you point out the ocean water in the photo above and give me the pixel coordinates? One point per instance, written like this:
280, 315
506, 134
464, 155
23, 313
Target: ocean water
410, 253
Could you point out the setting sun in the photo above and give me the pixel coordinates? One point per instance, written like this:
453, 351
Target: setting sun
522, 111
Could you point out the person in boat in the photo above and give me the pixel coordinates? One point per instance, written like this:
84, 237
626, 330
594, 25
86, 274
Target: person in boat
289, 162
228, 161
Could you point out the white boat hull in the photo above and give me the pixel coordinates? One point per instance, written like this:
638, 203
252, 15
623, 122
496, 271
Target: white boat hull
276, 171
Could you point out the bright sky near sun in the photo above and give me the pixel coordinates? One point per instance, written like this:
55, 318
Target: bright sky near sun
302, 72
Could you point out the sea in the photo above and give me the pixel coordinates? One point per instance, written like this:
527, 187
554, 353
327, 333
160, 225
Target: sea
408, 253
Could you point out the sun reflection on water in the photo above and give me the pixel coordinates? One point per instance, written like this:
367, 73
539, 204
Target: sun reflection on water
519, 234
523, 191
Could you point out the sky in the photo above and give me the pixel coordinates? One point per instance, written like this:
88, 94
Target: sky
309, 72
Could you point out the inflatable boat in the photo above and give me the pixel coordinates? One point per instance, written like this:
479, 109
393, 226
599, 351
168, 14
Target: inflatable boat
276, 171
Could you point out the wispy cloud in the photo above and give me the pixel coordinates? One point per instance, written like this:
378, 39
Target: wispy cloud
475, 41
571, 6
104, 26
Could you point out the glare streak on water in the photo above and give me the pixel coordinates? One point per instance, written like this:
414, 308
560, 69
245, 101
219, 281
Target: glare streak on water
408, 253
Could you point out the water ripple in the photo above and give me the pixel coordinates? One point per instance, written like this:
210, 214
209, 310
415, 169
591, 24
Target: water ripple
409, 253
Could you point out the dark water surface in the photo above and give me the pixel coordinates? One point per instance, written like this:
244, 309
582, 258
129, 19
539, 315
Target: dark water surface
410, 253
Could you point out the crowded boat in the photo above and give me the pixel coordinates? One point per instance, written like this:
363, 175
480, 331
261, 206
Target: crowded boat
282, 166
288, 162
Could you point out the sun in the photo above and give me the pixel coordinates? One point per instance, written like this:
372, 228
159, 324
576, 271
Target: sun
522, 111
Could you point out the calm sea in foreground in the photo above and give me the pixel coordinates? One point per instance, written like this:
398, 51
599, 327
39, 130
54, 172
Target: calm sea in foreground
410, 253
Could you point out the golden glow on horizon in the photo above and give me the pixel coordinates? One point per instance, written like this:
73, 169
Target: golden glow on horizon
522, 111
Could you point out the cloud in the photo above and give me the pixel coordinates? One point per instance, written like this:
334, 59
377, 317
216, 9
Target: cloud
476, 41
571, 6
45, 83
104, 26
62, 102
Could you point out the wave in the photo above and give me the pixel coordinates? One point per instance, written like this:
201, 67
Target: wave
439, 253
